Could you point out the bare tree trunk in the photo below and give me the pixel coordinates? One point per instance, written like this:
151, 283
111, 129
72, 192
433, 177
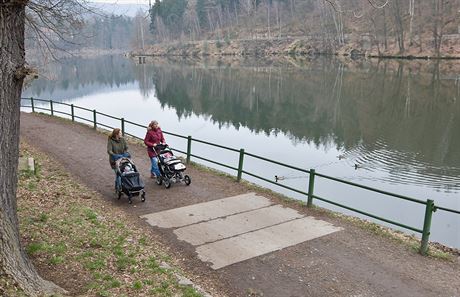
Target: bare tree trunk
438, 30
229, 21
376, 39
278, 16
419, 29
211, 25
220, 24
338, 22
236, 13
13, 260
399, 25
436, 26
385, 28
411, 20
268, 18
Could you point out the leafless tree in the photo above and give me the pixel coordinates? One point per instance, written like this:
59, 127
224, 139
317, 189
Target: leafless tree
50, 20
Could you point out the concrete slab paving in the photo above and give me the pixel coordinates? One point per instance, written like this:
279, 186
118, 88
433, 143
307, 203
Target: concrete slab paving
234, 229
196, 213
249, 245
237, 224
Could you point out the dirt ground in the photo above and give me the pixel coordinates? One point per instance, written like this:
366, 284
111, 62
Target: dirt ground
88, 248
352, 262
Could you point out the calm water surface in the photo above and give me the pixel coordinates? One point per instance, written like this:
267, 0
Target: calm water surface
391, 125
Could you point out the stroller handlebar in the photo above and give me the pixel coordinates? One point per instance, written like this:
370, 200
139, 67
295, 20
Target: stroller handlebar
161, 146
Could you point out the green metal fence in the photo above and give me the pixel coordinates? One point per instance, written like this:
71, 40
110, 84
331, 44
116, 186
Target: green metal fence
430, 207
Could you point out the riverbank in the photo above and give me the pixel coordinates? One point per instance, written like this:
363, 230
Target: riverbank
86, 245
352, 261
296, 47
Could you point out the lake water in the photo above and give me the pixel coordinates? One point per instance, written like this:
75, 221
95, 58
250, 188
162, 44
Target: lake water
392, 125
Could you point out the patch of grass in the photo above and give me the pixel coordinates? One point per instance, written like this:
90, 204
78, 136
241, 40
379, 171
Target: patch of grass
166, 258
35, 247
103, 293
94, 243
123, 262
86, 254
432, 252
91, 215
143, 240
440, 255
95, 264
162, 290
59, 248
55, 260
137, 285
32, 185
26, 174
115, 283
43, 217
152, 263
188, 291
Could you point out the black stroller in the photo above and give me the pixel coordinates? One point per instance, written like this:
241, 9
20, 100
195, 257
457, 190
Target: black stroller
131, 183
171, 168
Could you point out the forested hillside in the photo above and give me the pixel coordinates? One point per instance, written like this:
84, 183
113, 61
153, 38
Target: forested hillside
383, 27
97, 32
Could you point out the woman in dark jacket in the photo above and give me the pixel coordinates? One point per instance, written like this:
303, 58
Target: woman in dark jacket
116, 148
153, 137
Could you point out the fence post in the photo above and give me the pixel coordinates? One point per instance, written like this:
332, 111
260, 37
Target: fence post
72, 112
240, 165
94, 119
51, 107
123, 126
32, 103
427, 226
189, 148
311, 185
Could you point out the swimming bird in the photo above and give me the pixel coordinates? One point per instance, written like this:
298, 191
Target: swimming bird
277, 178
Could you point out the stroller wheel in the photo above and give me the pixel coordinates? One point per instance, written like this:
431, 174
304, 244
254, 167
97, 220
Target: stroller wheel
159, 180
167, 183
143, 197
187, 180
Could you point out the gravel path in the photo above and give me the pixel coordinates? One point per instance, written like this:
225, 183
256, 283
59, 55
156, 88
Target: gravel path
352, 262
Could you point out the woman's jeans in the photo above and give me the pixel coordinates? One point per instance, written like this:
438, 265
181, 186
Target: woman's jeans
154, 168
117, 177
117, 181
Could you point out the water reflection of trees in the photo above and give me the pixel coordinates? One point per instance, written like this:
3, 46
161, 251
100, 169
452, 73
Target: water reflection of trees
325, 102
413, 107
78, 77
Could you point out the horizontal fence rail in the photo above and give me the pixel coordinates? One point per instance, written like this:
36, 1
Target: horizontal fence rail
370, 188
430, 207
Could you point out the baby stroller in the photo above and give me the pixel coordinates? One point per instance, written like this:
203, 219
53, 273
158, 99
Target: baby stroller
171, 168
131, 183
